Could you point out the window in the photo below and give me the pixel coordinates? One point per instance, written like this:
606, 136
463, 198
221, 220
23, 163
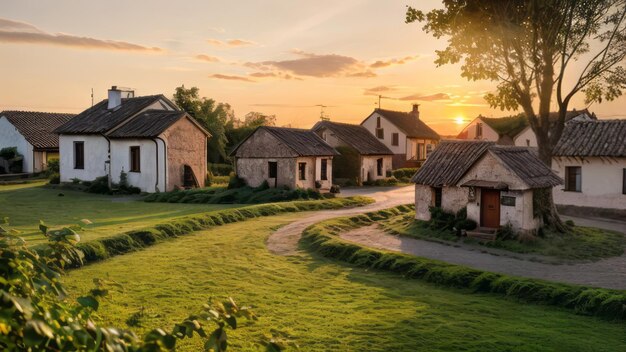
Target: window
437, 196
379, 167
324, 135
380, 133
624, 182
429, 149
324, 169
377, 121
420, 151
272, 169
135, 159
79, 155
479, 130
395, 140
573, 178
302, 171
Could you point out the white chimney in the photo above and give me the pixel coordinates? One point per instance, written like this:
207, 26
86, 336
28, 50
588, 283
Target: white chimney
117, 94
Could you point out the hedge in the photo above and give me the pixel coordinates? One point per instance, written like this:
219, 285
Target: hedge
107, 247
323, 238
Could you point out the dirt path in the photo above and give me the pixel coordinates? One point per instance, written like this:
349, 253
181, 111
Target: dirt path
607, 273
285, 240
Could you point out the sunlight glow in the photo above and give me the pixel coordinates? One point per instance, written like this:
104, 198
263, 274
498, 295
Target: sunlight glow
459, 120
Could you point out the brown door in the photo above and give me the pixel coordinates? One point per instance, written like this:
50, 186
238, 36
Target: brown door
489, 208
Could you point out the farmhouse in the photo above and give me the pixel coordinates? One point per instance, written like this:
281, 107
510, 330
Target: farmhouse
514, 130
408, 137
363, 157
160, 147
495, 183
289, 157
32, 134
591, 157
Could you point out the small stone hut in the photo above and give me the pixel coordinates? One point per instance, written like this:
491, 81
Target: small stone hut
290, 157
495, 183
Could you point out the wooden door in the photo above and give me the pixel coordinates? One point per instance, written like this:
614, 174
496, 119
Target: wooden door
489, 208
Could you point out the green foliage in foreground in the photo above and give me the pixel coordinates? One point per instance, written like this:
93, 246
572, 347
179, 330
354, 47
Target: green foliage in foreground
134, 240
323, 238
580, 243
327, 305
239, 195
36, 315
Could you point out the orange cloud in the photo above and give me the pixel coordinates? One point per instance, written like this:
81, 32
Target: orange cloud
231, 77
431, 97
385, 63
378, 90
207, 58
230, 43
16, 32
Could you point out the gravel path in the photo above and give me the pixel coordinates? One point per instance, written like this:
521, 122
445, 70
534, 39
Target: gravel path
607, 273
285, 240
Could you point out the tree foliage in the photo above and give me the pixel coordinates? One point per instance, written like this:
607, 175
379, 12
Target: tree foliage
212, 115
539, 52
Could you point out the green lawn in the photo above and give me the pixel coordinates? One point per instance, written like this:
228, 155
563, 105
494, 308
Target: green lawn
581, 243
327, 305
26, 204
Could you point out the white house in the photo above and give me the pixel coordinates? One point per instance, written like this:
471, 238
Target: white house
32, 134
160, 147
373, 157
495, 183
289, 157
404, 133
591, 157
513, 130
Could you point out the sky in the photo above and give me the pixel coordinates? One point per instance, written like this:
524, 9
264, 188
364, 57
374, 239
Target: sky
277, 57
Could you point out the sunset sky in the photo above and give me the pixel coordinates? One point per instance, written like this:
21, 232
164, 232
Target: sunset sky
276, 57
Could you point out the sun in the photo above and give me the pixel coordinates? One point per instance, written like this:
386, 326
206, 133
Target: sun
459, 120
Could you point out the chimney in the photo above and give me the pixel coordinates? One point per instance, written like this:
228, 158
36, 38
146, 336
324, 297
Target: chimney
416, 111
117, 94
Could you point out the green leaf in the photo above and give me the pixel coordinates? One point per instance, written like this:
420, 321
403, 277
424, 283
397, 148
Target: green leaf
88, 301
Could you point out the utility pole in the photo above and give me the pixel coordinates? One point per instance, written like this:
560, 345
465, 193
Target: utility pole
323, 117
380, 97
92, 97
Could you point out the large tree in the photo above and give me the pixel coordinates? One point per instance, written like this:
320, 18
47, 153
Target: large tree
213, 116
539, 52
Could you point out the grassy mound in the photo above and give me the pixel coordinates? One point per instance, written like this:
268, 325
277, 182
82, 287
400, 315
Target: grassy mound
323, 238
103, 248
243, 195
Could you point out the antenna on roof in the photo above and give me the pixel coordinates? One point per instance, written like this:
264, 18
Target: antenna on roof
92, 97
323, 116
379, 99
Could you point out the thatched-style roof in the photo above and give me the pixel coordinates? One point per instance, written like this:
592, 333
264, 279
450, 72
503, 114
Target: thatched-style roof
410, 124
527, 166
356, 136
151, 123
602, 138
38, 127
301, 142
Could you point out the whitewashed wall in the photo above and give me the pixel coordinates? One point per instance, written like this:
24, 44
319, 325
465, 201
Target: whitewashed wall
369, 165
370, 124
488, 133
96, 155
601, 183
146, 179
11, 137
526, 138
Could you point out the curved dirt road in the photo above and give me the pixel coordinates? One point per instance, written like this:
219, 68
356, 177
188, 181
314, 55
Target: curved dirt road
285, 240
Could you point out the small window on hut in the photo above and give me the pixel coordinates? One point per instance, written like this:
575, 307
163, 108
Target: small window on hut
324, 170
573, 179
135, 159
377, 121
624, 181
379, 167
79, 155
437, 193
395, 139
272, 169
380, 133
301, 171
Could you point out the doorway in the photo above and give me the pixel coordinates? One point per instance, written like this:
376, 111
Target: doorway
489, 208
189, 178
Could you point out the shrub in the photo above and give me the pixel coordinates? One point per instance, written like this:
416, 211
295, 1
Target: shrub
55, 179
404, 173
208, 182
53, 167
220, 169
506, 232
318, 184
335, 189
8, 153
236, 182
389, 181
100, 185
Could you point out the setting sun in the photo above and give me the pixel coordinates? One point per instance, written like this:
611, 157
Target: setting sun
459, 120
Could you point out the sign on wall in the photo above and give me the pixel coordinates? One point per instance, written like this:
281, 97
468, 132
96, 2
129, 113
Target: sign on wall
507, 201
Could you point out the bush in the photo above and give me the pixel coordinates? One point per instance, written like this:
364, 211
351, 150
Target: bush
335, 189
404, 173
8, 153
100, 185
236, 182
53, 167
389, 181
506, 232
220, 169
54, 179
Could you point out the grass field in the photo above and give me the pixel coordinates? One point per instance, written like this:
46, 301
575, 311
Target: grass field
26, 204
582, 243
326, 305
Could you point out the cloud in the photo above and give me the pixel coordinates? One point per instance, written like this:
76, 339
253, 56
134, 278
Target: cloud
230, 43
231, 78
218, 30
431, 97
16, 32
313, 65
207, 58
390, 62
378, 90
363, 74
263, 74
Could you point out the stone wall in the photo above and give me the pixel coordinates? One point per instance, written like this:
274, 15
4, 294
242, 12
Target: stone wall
186, 145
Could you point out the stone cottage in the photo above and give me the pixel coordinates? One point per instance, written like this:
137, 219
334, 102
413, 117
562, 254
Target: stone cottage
31, 133
374, 159
160, 147
290, 157
591, 157
495, 183
409, 138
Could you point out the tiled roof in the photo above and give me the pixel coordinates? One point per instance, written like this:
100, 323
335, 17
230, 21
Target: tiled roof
303, 142
447, 164
593, 138
527, 166
409, 124
355, 136
100, 119
38, 127
149, 124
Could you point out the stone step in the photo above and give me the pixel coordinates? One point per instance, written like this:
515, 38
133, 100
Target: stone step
483, 236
